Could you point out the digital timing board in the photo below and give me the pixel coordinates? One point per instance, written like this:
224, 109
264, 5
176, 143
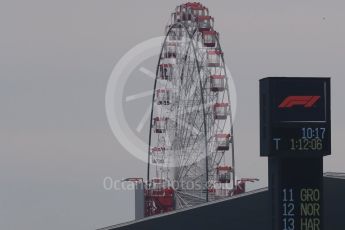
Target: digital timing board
295, 134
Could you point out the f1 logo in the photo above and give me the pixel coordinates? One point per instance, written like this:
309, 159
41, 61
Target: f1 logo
306, 101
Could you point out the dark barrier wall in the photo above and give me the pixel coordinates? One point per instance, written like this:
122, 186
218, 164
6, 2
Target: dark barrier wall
242, 213
334, 213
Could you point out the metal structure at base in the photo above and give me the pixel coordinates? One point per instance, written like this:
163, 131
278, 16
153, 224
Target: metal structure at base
246, 212
158, 198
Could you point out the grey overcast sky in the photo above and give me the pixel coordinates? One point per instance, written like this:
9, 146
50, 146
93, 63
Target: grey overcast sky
56, 58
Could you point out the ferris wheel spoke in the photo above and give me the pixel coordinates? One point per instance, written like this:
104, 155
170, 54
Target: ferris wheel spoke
195, 118
187, 165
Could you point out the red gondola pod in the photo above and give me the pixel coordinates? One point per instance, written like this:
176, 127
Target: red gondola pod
184, 12
222, 142
159, 197
157, 155
176, 17
168, 198
158, 184
209, 38
166, 71
160, 124
193, 5
205, 23
217, 83
163, 96
214, 58
199, 10
220, 111
167, 59
160, 188
224, 174
170, 50
191, 10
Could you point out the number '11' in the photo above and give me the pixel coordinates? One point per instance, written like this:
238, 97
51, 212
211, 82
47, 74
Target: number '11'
288, 195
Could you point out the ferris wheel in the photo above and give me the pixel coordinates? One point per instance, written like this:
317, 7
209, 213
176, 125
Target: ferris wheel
191, 142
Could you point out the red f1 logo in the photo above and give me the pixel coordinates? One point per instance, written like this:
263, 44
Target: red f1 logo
306, 101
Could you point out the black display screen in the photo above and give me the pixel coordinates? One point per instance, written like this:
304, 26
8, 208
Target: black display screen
295, 116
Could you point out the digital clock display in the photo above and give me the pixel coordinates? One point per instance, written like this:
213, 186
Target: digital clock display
309, 138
